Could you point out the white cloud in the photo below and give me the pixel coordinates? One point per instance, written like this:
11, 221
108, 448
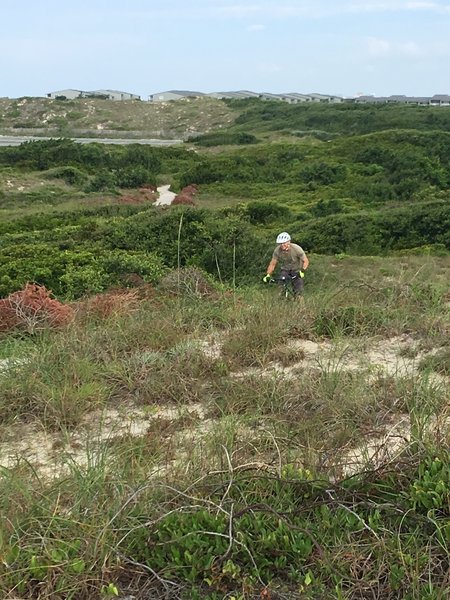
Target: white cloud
410, 49
256, 27
378, 48
327, 8
381, 48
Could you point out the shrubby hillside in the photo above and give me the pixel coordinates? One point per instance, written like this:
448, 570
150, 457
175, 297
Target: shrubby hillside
327, 120
76, 218
94, 117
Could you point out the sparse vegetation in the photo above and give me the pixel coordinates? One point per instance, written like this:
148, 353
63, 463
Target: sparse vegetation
275, 485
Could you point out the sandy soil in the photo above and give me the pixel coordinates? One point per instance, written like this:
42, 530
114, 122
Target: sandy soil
50, 453
165, 196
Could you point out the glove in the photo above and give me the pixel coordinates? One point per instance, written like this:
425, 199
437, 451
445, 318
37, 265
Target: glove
301, 273
266, 278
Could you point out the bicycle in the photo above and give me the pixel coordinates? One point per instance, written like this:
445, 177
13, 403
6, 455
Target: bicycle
287, 284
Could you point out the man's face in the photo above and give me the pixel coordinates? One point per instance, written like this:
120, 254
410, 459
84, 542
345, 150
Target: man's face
285, 247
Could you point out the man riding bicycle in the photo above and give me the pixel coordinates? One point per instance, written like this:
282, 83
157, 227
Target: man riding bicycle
293, 261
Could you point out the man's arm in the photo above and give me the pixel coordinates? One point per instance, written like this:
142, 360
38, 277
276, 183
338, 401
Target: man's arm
305, 262
271, 267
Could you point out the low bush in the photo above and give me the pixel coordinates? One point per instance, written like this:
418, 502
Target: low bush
267, 212
71, 175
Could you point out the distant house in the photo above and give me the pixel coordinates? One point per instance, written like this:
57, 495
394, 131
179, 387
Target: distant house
106, 94
368, 99
295, 98
238, 95
113, 95
174, 95
440, 100
396, 98
419, 100
436, 100
291, 97
324, 98
68, 94
267, 96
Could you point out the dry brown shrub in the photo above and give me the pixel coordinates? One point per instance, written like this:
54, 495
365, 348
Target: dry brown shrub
115, 302
191, 189
186, 195
33, 309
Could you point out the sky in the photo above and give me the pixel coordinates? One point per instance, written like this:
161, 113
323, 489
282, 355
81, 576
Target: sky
342, 47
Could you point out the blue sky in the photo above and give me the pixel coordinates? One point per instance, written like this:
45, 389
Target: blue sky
343, 47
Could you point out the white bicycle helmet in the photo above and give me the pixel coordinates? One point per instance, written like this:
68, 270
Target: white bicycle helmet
283, 237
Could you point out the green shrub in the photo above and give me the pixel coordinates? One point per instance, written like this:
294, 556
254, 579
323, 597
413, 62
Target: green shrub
265, 212
71, 175
222, 138
79, 280
322, 173
131, 177
102, 181
118, 264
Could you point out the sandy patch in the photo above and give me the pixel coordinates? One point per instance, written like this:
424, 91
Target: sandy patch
49, 453
165, 196
397, 357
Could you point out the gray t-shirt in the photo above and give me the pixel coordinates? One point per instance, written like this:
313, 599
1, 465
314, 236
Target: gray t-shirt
291, 259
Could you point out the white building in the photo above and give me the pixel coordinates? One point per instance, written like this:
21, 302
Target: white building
114, 95
324, 98
238, 95
440, 100
106, 94
68, 94
436, 100
174, 95
295, 98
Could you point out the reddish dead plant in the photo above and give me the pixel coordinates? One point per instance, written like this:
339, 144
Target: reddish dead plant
186, 196
32, 309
